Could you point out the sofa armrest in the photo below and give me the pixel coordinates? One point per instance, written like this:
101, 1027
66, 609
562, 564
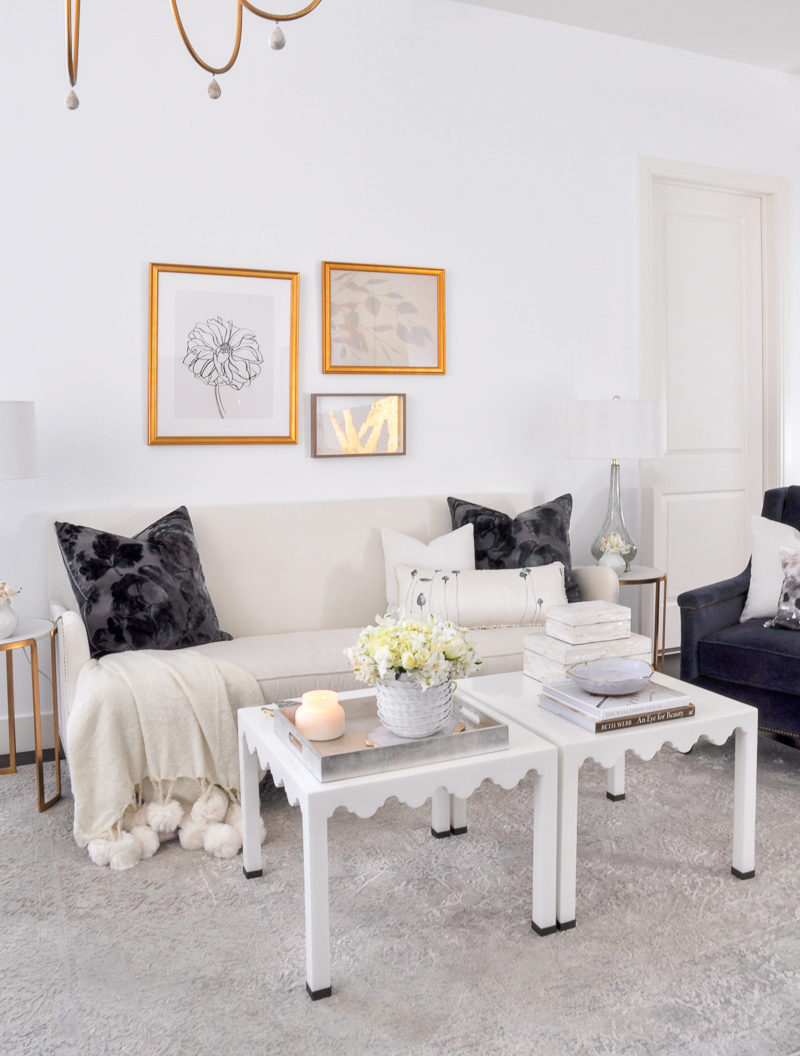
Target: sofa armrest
72, 652
597, 583
706, 610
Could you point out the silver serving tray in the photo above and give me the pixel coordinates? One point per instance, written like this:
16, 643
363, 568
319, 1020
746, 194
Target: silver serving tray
350, 756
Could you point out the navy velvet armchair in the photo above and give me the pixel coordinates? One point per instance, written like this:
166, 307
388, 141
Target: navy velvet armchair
747, 661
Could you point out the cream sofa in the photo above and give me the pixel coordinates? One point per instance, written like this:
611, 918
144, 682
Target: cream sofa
294, 583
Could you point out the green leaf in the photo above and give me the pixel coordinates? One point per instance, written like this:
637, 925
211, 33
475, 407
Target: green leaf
373, 305
407, 308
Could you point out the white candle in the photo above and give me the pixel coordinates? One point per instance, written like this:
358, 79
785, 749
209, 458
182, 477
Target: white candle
320, 717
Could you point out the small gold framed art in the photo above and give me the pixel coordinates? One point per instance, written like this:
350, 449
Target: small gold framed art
223, 355
378, 319
357, 424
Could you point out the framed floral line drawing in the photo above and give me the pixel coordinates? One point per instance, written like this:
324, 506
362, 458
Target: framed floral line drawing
357, 424
378, 319
223, 355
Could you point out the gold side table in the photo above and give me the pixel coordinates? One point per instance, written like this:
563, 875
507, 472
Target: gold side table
27, 634
639, 576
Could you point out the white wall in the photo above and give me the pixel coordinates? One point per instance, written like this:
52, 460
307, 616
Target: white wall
419, 132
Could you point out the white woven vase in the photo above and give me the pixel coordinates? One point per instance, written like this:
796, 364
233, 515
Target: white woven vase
408, 711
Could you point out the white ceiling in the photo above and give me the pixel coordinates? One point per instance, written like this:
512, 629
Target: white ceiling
759, 32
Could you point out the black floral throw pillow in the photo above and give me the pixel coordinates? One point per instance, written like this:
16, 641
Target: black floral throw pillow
147, 592
536, 537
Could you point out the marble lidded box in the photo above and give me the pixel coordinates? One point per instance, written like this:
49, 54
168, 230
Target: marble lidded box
588, 621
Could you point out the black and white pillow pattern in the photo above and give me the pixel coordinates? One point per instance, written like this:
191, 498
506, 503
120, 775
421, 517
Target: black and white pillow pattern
788, 614
144, 592
539, 536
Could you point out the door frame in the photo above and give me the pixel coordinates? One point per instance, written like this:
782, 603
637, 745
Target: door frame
773, 191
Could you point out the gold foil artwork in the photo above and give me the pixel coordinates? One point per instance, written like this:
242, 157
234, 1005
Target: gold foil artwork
382, 411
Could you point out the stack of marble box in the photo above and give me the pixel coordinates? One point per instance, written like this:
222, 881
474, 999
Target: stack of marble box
585, 630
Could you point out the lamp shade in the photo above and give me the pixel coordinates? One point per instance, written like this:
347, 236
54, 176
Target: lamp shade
616, 429
17, 440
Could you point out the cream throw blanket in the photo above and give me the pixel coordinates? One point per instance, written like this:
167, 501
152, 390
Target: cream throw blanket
161, 715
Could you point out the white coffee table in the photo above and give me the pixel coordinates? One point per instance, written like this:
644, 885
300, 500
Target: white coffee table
515, 696
447, 784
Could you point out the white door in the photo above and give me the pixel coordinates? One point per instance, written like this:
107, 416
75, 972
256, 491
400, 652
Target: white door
705, 361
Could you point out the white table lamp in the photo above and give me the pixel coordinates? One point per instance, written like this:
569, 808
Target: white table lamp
616, 429
17, 440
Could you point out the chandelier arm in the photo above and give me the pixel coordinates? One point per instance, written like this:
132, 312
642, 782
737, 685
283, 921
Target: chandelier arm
193, 53
73, 40
279, 18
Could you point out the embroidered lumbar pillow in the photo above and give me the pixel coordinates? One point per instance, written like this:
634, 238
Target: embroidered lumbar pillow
502, 597
788, 614
539, 536
454, 550
144, 592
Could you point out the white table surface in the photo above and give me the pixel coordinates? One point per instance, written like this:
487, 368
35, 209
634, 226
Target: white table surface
448, 784
27, 629
515, 696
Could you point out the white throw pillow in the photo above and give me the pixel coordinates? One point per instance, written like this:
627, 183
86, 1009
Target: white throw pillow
454, 550
488, 597
766, 571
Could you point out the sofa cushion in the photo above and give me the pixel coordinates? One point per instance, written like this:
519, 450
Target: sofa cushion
751, 654
286, 665
142, 592
538, 536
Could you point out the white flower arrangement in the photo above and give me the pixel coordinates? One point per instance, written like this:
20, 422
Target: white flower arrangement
427, 652
614, 544
8, 591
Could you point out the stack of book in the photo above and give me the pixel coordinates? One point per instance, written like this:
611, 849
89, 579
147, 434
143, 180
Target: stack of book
601, 714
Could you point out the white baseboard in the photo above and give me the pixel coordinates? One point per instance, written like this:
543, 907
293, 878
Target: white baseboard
26, 740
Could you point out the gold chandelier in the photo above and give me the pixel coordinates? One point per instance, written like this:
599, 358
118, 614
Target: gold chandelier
276, 41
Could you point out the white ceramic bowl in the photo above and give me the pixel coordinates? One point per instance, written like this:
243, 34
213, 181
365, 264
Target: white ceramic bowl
612, 676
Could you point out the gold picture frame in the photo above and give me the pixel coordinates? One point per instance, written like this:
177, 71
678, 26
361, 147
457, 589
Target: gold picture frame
380, 319
351, 424
223, 355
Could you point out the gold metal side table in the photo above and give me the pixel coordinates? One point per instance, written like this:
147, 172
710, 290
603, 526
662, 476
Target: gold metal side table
640, 575
27, 634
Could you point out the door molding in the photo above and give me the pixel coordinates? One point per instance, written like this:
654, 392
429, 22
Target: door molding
773, 191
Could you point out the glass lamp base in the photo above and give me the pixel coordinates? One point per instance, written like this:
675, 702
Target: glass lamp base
614, 526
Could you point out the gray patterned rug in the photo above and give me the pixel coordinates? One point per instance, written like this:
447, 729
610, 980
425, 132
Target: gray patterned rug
431, 942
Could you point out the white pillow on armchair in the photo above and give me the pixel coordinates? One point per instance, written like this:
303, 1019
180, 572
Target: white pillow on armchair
766, 570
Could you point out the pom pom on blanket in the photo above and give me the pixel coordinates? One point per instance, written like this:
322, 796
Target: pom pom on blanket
221, 840
100, 851
164, 817
191, 833
125, 852
148, 840
211, 806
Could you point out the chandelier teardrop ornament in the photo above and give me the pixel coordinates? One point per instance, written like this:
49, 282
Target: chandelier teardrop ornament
277, 41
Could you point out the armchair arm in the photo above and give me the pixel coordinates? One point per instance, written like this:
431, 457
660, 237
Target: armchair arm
706, 610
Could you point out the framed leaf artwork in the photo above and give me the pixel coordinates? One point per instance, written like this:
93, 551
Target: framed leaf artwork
378, 319
358, 424
223, 356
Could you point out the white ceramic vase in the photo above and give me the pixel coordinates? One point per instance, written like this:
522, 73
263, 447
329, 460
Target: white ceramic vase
615, 561
407, 710
8, 620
